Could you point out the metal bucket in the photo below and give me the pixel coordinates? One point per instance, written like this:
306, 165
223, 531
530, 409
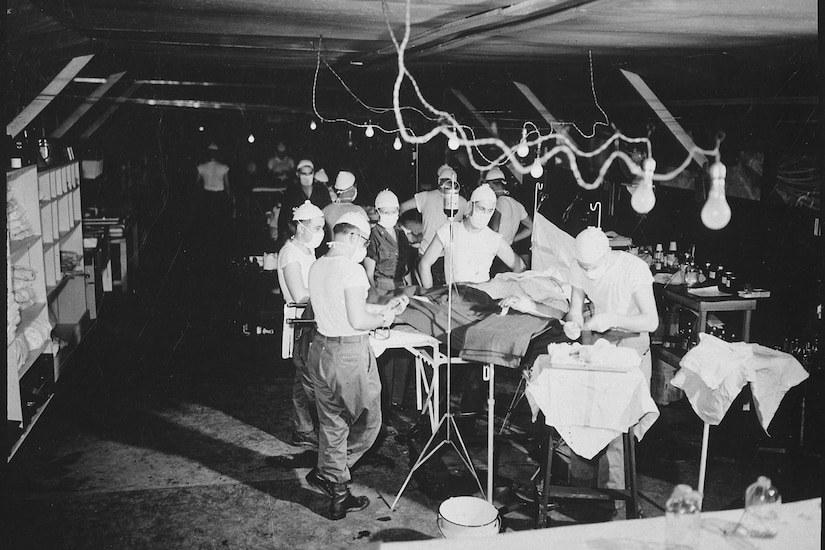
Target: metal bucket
467, 517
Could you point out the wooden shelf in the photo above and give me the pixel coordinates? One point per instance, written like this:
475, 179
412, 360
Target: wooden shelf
29, 427
34, 355
18, 248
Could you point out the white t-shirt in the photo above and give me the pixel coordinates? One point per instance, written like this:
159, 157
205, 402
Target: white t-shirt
473, 253
431, 206
212, 173
613, 291
291, 253
512, 212
329, 277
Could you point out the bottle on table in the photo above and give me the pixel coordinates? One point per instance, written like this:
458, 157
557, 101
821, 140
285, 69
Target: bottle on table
762, 502
683, 521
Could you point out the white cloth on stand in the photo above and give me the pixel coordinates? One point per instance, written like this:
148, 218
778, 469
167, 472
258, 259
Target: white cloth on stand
714, 372
775, 372
590, 409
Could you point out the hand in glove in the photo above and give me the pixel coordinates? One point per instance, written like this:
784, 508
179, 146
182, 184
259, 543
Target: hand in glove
572, 330
601, 322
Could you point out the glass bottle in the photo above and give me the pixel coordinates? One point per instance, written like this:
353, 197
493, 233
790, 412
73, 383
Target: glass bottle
683, 520
762, 502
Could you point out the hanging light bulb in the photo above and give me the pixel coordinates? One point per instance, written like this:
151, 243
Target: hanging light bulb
370, 131
200, 128
716, 212
396, 144
643, 199
350, 143
452, 143
251, 138
536, 170
312, 125
523, 150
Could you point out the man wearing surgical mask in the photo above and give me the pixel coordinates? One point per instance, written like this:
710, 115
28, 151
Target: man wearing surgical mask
341, 363
430, 204
620, 289
308, 189
294, 260
469, 246
347, 191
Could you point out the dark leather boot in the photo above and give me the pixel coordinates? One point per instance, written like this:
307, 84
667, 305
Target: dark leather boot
343, 501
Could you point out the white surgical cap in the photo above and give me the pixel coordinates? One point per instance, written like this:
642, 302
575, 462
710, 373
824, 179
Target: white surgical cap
357, 219
386, 199
591, 245
483, 193
307, 211
344, 180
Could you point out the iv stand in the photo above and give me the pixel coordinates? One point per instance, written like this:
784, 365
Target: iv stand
448, 419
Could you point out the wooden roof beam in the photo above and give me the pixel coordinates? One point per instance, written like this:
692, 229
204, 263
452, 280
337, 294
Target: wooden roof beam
110, 111
45, 97
87, 104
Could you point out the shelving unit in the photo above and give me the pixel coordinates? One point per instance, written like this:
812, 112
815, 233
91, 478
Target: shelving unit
50, 199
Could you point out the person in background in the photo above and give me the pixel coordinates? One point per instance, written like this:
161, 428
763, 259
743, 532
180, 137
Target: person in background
346, 192
214, 205
294, 260
387, 267
295, 195
342, 365
281, 166
469, 246
430, 204
620, 288
514, 224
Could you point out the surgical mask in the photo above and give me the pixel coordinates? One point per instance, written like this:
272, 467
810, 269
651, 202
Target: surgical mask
387, 220
596, 273
306, 180
315, 238
348, 195
480, 219
358, 254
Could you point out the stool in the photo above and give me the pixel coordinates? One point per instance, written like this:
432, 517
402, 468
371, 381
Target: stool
545, 491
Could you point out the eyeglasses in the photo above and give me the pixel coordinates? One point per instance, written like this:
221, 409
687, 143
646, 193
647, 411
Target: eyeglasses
305, 173
365, 239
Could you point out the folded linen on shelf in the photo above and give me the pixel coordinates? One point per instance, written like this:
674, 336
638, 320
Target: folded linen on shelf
23, 273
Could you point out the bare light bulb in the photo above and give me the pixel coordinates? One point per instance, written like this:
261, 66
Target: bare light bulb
523, 150
370, 131
643, 199
396, 144
312, 125
536, 170
200, 128
452, 143
716, 212
251, 138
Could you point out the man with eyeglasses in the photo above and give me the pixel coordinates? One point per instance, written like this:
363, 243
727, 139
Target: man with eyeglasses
469, 246
347, 191
309, 189
431, 206
341, 363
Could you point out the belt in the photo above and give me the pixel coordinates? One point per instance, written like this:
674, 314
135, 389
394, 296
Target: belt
343, 339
